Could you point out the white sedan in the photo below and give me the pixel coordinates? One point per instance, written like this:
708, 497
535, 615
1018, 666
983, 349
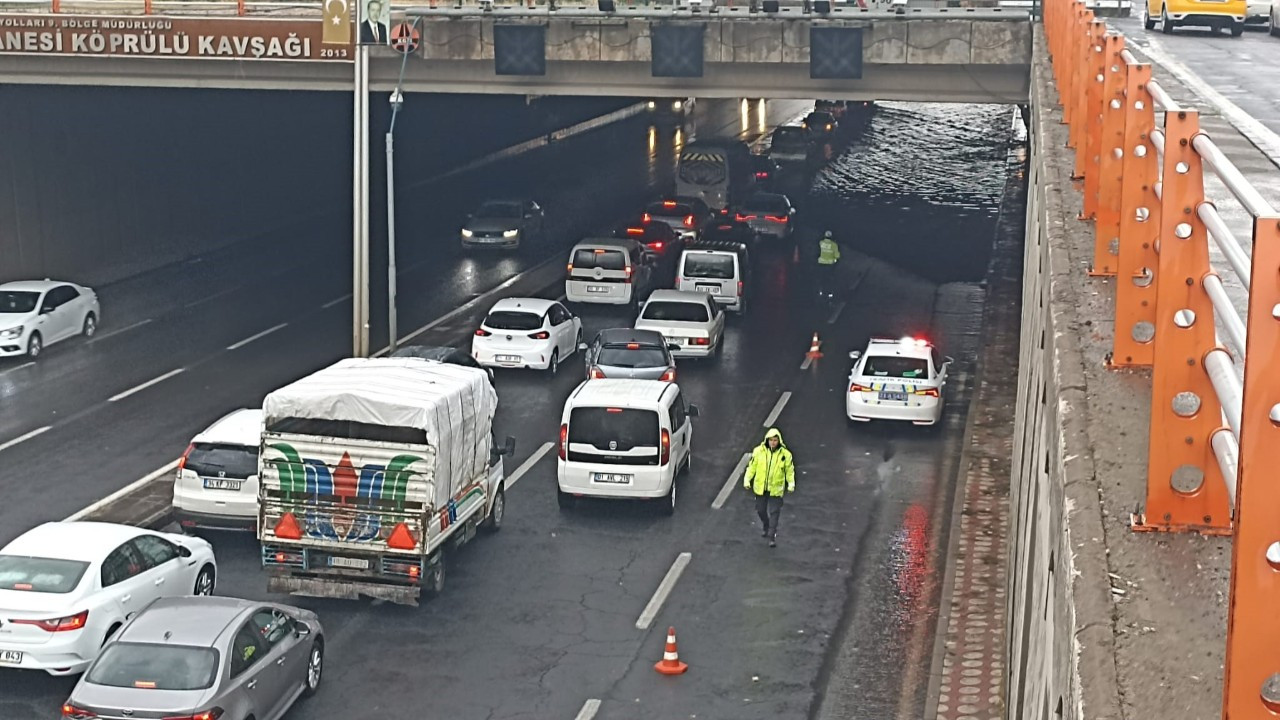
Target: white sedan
66, 587
896, 380
692, 322
527, 333
38, 313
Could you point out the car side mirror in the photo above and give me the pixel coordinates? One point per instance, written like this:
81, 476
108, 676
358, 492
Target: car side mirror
694, 411
301, 630
46, 310
948, 360
854, 355
184, 551
673, 347
509, 446
582, 347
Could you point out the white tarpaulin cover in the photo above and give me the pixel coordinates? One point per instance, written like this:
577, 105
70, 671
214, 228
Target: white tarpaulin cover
454, 405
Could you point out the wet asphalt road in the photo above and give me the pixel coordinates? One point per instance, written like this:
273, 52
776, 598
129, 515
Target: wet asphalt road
540, 618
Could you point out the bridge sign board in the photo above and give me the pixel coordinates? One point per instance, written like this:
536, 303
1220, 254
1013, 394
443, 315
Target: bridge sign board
404, 37
167, 38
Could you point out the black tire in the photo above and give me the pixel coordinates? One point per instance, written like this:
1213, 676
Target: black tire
315, 661
35, 344
1237, 29
564, 500
434, 582
1147, 22
1166, 25
669, 500
553, 367
206, 581
90, 325
493, 523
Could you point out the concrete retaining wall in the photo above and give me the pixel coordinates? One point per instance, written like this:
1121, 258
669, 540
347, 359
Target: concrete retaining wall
1061, 642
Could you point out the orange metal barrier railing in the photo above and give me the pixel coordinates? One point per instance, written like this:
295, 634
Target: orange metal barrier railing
1214, 440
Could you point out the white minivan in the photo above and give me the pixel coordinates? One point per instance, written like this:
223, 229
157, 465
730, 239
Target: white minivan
716, 268
216, 485
611, 271
624, 439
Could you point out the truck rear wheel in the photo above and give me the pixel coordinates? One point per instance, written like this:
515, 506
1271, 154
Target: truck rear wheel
434, 584
493, 523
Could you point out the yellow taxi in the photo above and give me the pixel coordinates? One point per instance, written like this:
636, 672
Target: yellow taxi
1215, 14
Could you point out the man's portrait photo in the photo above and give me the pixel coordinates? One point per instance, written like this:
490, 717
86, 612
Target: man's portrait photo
375, 28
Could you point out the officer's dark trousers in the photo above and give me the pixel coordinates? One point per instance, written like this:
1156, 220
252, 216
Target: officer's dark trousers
769, 508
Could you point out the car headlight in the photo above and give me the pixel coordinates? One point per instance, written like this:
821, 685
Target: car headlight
467, 233
12, 332
510, 233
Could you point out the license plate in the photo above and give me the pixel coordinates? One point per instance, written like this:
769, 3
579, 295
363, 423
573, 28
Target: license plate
597, 288
709, 288
353, 563
222, 484
10, 657
893, 396
611, 478
507, 358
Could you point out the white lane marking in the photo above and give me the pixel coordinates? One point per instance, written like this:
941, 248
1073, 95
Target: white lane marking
124, 329
335, 301
835, 313
777, 409
208, 298
85, 512
807, 362
251, 338
731, 483
18, 367
664, 589
528, 464
23, 438
589, 710
144, 386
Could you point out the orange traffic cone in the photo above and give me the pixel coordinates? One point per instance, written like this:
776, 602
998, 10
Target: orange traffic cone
670, 663
814, 351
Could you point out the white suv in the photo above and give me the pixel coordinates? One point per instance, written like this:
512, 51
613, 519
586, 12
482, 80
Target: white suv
896, 380
624, 439
216, 485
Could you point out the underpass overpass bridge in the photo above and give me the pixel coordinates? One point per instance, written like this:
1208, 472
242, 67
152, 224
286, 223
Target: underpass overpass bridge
874, 53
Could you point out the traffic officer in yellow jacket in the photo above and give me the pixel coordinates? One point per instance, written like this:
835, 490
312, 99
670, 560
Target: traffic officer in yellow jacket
771, 473
828, 257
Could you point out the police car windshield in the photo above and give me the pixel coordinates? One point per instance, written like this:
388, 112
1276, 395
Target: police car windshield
711, 266
896, 367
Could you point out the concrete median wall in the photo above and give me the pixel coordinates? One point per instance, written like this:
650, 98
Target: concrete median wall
1061, 637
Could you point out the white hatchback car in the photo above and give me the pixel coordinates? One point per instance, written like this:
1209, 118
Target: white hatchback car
896, 380
691, 321
216, 485
66, 587
527, 333
37, 313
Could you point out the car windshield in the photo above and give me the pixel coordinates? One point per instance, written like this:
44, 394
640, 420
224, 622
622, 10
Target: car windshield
222, 460
632, 355
789, 136
675, 311
18, 301
895, 367
711, 265
43, 575
151, 666
590, 258
499, 210
513, 320
818, 118
669, 209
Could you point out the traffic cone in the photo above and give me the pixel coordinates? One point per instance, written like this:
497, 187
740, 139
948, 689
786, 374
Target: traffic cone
670, 663
814, 346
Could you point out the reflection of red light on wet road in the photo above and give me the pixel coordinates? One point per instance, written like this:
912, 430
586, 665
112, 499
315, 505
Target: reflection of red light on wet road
911, 555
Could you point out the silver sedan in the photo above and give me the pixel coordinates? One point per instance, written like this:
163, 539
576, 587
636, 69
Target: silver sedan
204, 658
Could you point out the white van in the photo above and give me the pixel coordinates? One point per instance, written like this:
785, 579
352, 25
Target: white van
624, 439
718, 268
611, 271
216, 485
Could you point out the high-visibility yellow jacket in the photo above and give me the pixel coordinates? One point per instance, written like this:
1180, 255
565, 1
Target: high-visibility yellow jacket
828, 252
771, 472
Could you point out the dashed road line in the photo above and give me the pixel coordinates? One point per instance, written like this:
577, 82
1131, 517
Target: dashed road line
589, 710
777, 409
262, 334
19, 367
215, 296
23, 438
731, 483
836, 313
528, 464
144, 386
808, 360
335, 301
664, 589
153, 475
117, 331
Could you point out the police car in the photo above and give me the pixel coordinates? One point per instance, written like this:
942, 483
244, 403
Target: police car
896, 379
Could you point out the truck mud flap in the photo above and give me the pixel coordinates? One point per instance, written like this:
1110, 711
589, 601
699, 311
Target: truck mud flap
343, 590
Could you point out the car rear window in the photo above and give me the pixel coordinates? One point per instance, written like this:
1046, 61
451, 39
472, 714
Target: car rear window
42, 575
591, 258
665, 210
713, 266
18, 301
152, 666
608, 428
675, 311
220, 460
632, 355
895, 367
513, 320
766, 203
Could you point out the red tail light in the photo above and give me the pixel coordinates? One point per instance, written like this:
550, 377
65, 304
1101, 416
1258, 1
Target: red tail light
540, 335
657, 245
743, 218
635, 231
666, 447
669, 375
646, 218
596, 374
564, 440
931, 392
211, 714
62, 624
855, 387
71, 711
701, 341
739, 288
688, 221
182, 461
761, 175
628, 270
483, 333
776, 218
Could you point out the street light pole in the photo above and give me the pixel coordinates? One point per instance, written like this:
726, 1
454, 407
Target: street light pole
360, 201
397, 99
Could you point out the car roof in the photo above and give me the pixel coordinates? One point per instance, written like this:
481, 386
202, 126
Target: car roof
537, 306
764, 196
618, 392
238, 427
77, 540
699, 298
626, 245
33, 285
631, 335
194, 620
898, 347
